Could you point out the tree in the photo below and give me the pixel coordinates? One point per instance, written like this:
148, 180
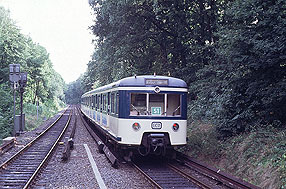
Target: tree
44, 84
247, 79
74, 91
142, 37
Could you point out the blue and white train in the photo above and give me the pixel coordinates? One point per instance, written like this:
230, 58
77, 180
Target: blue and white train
140, 114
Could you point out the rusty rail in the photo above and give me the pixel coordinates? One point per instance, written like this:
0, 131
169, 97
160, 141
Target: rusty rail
7, 145
69, 143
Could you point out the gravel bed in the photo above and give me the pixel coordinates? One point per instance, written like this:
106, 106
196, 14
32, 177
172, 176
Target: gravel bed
27, 137
78, 173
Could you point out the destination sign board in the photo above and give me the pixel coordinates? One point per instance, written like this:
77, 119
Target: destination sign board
160, 82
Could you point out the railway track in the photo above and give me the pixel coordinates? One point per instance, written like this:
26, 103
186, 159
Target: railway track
220, 177
163, 176
187, 174
21, 169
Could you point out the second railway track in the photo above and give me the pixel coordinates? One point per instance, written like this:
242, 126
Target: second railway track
21, 169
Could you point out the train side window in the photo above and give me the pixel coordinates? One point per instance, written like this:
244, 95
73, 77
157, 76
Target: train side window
138, 104
101, 102
112, 102
117, 103
108, 101
95, 102
98, 102
104, 102
92, 104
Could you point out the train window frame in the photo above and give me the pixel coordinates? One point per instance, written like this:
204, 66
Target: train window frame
104, 103
92, 103
171, 107
138, 108
95, 101
112, 100
117, 103
108, 108
98, 102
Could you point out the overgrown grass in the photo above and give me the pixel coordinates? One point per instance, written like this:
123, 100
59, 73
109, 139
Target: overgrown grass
258, 157
32, 121
45, 111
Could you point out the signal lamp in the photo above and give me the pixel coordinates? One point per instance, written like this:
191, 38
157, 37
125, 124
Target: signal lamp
175, 126
136, 126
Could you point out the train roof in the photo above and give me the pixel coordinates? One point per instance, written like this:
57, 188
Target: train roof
144, 81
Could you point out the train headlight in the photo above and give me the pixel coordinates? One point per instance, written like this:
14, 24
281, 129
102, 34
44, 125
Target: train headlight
175, 126
136, 126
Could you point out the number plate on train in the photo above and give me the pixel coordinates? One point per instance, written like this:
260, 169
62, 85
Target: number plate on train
156, 125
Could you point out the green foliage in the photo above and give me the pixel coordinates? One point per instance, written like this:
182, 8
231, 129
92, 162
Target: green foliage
45, 111
142, 37
74, 91
44, 84
203, 140
244, 86
6, 111
264, 152
257, 157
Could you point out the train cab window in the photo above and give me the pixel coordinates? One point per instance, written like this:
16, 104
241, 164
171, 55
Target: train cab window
138, 104
156, 104
173, 105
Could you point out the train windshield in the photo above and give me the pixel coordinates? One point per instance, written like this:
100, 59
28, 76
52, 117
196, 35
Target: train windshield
155, 104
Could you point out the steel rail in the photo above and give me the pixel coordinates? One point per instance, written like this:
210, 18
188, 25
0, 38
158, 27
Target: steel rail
53, 142
3, 165
49, 153
147, 176
217, 174
7, 145
193, 179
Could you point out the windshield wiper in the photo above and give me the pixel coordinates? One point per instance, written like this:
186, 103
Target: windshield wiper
176, 110
138, 113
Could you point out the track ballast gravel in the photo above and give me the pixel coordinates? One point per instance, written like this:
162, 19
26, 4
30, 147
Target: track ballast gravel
77, 171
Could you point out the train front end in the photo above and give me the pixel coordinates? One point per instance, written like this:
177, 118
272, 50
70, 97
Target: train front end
153, 114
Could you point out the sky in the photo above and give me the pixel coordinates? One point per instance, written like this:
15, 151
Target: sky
61, 26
